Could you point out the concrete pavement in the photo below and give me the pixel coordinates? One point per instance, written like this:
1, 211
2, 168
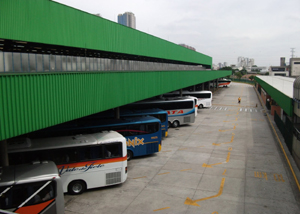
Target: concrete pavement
228, 161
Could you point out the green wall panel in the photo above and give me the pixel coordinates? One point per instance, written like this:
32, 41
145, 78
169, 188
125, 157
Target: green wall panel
285, 102
48, 22
34, 101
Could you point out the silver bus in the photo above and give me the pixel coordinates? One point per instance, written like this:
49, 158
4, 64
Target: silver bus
31, 188
181, 110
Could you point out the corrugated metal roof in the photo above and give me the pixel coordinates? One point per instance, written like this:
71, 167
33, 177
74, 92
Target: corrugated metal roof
282, 84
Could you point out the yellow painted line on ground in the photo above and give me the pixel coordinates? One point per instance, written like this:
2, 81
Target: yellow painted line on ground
220, 130
219, 144
231, 120
185, 170
140, 177
285, 155
214, 164
189, 201
164, 173
161, 209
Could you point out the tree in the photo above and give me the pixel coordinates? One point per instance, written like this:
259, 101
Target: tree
238, 75
251, 77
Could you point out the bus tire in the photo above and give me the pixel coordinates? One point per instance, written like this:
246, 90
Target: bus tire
175, 124
200, 106
129, 155
76, 187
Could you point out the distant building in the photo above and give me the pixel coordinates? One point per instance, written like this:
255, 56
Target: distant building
294, 67
245, 62
281, 70
127, 19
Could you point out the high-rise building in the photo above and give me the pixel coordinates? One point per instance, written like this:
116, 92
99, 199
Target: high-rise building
127, 19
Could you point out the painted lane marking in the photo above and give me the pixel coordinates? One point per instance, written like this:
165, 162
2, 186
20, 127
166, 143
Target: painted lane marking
245, 110
220, 130
214, 164
140, 177
250, 110
224, 173
261, 175
231, 120
220, 108
281, 146
218, 144
164, 173
278, 178
161, 209
185, 170
225, 109
241, 109
189, 201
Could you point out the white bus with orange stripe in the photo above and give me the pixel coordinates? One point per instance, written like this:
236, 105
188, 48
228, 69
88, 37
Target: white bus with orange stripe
31, 188
224, 83
83, 161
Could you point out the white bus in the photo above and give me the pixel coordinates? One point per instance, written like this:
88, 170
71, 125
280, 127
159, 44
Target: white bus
83, 161
31, 188
181, 110
204, 98
224, 83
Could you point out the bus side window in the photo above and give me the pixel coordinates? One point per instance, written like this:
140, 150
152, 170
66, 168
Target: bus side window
113, 150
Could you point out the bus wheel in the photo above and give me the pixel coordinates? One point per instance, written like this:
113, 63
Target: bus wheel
129, 155
200, 106
175, 124
76, 187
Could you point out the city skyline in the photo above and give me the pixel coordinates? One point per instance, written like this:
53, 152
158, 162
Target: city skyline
127, 19
263, 30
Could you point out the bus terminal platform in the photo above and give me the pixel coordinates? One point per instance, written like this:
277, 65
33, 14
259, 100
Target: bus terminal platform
232, 160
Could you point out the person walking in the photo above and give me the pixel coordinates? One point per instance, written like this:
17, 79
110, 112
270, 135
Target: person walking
239, 100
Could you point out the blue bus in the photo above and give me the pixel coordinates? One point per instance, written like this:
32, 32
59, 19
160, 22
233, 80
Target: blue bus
143, 134
158, 113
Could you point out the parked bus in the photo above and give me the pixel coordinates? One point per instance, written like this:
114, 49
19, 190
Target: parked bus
158, 113
143, 134
204, 98
83, 161
181, 110
224, 83
31, 188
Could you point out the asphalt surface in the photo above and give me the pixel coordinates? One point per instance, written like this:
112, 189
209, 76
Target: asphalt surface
228, 161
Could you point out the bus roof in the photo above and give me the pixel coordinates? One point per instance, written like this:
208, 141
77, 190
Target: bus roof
166, 99
24, 173
65, 141
190, 92
121, 121
125, 112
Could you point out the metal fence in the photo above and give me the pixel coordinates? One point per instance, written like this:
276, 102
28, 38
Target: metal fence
243, 81
286, 130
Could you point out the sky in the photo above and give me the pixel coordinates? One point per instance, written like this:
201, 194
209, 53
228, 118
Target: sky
264, 30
